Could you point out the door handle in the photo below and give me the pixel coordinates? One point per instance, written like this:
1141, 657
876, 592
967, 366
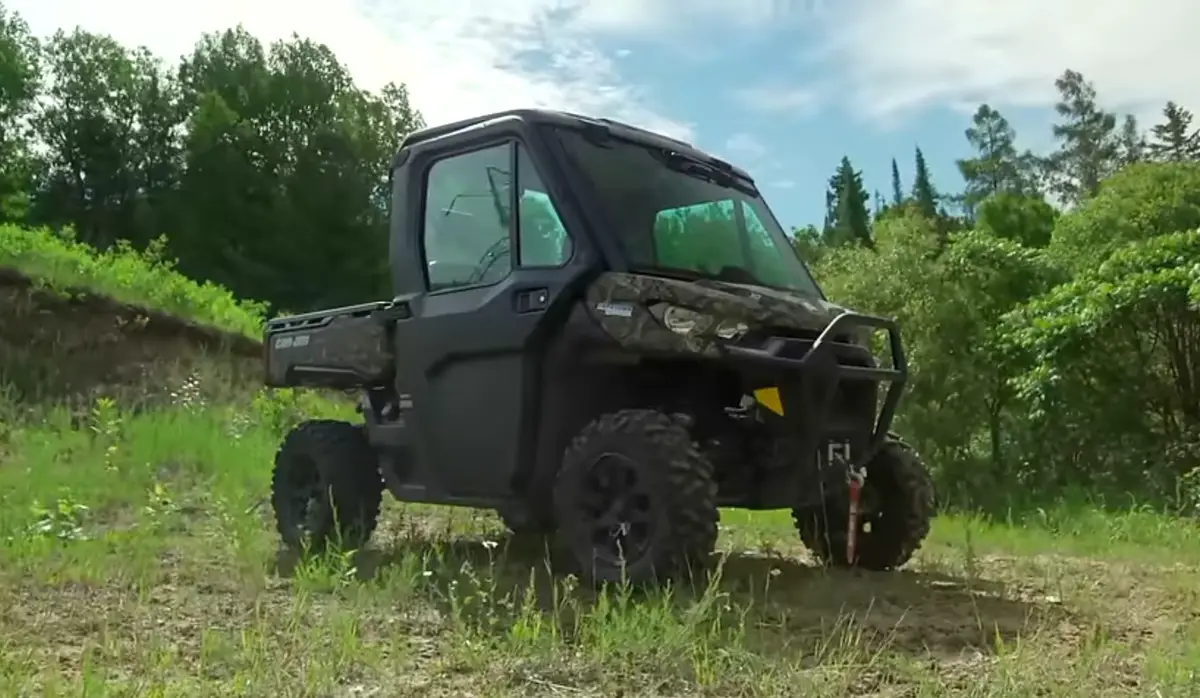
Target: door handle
532, 300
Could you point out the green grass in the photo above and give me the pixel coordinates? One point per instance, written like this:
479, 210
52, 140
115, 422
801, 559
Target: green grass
141, 561
137, 558
145, 278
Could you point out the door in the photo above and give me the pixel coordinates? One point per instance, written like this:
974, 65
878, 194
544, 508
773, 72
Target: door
497, 258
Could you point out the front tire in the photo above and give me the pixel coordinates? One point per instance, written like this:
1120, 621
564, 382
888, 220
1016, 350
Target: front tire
899, 497
635, 500
326, 487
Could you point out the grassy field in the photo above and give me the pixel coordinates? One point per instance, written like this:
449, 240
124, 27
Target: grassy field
138, 558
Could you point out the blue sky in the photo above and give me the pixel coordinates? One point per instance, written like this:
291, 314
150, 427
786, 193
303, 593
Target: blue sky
782, 87
791, 138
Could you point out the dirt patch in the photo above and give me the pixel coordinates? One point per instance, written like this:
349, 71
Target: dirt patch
202, 621
74, 344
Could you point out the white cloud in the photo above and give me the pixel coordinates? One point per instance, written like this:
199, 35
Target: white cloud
899, 55
458, 57
681, 16
743, 146
779, 98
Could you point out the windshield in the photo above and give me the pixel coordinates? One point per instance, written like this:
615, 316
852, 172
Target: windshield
677, 216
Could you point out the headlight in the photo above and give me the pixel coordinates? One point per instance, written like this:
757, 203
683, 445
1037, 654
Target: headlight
684, 321
731, 329
691, 323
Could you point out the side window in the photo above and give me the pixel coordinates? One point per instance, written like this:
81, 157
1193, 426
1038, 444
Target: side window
468, 219
543, 238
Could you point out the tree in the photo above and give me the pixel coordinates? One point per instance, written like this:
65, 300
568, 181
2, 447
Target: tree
299, 157
984, 277
925, 196
108, 127
897, 190
1112, 365
1131, 142
1138, 203
807, 241
1175, 139
1023, 218
846, 201
1089, 148
997, 167
20, 81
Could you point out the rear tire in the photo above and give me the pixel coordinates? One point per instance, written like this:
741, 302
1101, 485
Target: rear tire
326, 487
635, 500
899, 486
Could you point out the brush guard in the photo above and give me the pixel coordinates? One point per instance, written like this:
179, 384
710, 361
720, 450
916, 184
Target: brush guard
818, 359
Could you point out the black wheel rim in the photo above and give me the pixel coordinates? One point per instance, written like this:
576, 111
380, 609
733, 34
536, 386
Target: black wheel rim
872, 509
306, 501
870, 512
618, 509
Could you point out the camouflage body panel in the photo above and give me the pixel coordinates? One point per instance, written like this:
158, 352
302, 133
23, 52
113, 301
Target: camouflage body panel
341, 351
622, 305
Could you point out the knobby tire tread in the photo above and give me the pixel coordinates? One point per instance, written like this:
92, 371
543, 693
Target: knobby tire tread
907, 494
688, 488
349, 468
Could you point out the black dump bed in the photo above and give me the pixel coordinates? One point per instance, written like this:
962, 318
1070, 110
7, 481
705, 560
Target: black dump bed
341, 348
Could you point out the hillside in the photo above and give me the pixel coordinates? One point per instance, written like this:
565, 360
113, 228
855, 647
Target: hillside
142, 561
81, 325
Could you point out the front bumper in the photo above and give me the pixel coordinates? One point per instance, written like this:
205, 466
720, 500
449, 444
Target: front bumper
819, 360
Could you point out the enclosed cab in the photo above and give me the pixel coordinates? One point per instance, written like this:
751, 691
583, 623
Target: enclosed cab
569, 287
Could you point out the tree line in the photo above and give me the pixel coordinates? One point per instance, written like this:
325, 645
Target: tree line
266, 165
1050, 307
1091, 148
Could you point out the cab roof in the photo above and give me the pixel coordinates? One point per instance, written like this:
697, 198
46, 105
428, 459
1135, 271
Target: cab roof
553, 117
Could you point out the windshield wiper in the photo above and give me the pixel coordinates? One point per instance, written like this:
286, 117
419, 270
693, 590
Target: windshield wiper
707, 171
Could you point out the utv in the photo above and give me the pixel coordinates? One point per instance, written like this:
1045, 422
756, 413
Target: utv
603, 334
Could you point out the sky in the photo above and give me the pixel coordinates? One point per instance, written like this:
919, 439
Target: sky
783, 88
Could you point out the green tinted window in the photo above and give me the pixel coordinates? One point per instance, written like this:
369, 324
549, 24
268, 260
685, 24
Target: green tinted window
544, 240
705, 238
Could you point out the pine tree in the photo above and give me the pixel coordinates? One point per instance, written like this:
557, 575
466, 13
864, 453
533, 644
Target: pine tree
847, 217
1132, 143
998, 166
1090, 148
1175, 139
897, 190
925, 196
